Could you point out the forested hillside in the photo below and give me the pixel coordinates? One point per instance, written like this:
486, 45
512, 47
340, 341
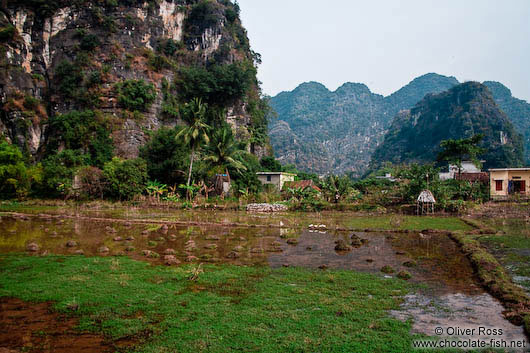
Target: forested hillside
461, 112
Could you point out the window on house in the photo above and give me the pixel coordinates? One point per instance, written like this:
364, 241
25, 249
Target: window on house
498, 185
269, 178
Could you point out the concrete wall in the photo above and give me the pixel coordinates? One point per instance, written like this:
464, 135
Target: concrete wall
284, 178
276, 179
506, 176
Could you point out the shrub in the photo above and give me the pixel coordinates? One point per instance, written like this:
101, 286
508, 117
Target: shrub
167, 159
270, 164
31, 103
170, 47
69, 77
125, 179
203, 15
91, 182
87, 41
216, 85
59, 171
87, 131
246, 179
135, 95
15, 176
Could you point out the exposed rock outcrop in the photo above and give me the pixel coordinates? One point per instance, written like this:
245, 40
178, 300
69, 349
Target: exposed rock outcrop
58, 56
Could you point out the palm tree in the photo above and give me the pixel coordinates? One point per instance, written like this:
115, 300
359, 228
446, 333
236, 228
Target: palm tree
196, 133
223, 150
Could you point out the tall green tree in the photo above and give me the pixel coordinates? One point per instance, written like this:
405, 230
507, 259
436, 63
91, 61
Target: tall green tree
195, 134
456, 151
223, 150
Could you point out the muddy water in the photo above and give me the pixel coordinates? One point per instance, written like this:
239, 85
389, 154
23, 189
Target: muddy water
37, 328
450, 295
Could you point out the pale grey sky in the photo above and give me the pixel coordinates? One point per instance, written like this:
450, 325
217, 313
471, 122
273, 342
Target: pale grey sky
387, 43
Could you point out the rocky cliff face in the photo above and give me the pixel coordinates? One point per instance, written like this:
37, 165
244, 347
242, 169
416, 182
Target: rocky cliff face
58, 56
461, 112
336, 132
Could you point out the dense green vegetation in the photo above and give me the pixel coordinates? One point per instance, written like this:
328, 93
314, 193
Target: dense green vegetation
86, 131
166, 156
16, 177
243, 308
463, 111
125, 178
517, 110
135, 95
218, 85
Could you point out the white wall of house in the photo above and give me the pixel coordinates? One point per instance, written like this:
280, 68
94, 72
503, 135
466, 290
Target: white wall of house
276, 179
467, 167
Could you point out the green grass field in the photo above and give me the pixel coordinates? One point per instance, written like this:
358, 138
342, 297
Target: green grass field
409, 223
229, 308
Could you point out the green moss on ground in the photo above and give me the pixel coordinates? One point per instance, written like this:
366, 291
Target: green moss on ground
229, 308
402, 222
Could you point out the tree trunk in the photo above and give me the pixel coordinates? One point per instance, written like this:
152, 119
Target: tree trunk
191, 165
188, 192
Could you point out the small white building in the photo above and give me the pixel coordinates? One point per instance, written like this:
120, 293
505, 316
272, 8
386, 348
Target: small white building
275, 178
467, 167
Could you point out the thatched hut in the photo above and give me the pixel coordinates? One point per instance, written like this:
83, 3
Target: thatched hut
425, 203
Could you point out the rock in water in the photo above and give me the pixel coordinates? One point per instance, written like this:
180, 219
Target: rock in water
33, 247
341, 245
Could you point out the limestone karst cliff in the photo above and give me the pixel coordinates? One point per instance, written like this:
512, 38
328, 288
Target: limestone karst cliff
130, 63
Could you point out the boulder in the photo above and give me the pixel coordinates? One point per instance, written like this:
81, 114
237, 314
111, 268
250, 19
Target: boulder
341, 245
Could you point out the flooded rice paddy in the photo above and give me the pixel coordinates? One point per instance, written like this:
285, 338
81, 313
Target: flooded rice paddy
448, 293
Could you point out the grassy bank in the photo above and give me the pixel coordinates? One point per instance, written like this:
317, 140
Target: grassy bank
510, 245
496, 279
401, 222
228, 308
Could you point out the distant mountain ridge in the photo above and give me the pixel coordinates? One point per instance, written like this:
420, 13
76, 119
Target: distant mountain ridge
462, 111
336, 132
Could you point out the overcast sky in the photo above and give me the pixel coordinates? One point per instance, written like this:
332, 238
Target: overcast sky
387, 43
